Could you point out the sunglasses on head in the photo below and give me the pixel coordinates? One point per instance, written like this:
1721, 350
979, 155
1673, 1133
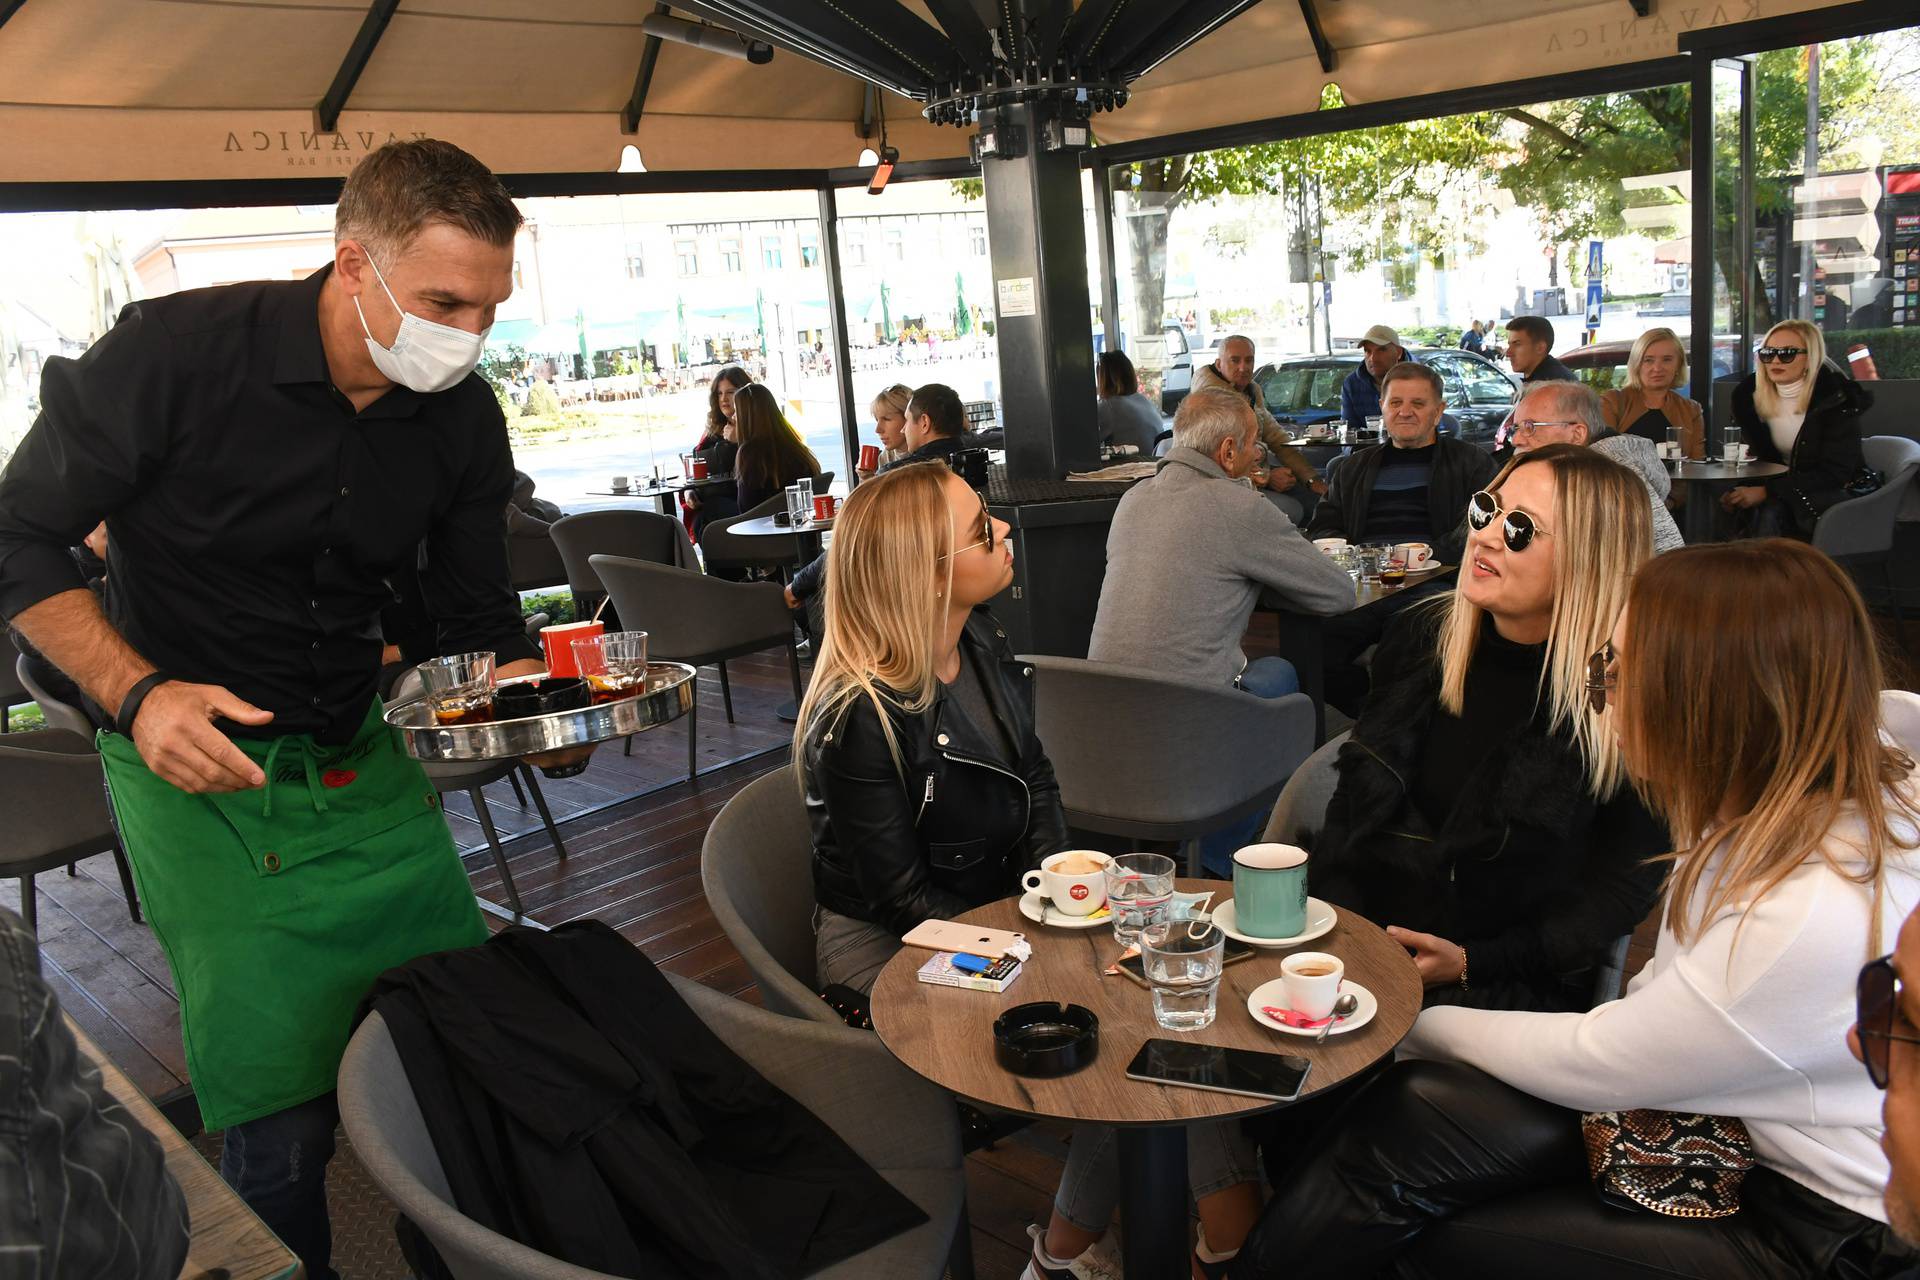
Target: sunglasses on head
1784, 355
1876, 1003
1519, 527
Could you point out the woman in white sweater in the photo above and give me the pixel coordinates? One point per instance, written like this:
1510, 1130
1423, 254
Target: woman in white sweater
1744, 682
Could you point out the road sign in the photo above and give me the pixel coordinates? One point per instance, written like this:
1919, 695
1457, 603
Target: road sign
1596, 256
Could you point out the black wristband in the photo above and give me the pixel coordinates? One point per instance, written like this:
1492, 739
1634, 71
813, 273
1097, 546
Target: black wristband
130, 705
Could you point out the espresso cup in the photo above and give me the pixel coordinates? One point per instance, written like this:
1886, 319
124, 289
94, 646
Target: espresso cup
1312, 980
699, 469
619, 483
1072, 893
1415, 555
1329, 545
1270, 890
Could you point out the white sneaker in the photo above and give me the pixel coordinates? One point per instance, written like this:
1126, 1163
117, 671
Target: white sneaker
1099, 1262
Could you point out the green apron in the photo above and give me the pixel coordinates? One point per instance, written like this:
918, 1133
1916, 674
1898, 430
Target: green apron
278, 907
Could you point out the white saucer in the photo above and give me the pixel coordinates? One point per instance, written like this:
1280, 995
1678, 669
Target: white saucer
1321, 917
1275, 993
1038, 910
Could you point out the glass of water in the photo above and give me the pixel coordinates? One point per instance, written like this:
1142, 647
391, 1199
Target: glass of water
1182, 959
1730, 450
1139, 888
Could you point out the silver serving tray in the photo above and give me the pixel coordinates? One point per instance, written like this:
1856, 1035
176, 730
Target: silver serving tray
668, 696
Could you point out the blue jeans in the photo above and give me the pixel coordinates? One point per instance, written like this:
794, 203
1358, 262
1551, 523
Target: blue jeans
1263, 678
278, 1165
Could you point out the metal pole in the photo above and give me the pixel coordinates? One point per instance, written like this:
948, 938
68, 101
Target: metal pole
1808, 172
1700, 106
837, 322
1320, 258
1103, 242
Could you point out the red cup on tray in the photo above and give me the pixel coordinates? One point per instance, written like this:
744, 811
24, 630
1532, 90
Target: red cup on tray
557, 643
824, 506
869, 457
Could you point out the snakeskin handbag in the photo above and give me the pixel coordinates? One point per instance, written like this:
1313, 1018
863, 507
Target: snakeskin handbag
1683, 1166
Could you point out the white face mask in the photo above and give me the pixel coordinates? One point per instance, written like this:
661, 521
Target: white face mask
425, 356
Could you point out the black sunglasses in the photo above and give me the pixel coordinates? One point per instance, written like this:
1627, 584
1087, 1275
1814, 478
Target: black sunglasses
1785, 355
1876, 1000
1602, 679
1519, 528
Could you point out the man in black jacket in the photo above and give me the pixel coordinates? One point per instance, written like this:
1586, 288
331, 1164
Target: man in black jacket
1412, 487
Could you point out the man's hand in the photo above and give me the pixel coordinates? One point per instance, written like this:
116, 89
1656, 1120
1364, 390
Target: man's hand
1319, 486
1742, 497
1281, 479
793, 601
174, 734
1440, 962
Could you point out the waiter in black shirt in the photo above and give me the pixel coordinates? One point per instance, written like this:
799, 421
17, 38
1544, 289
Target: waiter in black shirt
267, 456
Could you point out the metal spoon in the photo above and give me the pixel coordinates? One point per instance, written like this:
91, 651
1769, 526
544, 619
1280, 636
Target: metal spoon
1343, 1009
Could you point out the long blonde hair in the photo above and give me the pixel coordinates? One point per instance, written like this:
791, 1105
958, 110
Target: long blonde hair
1750, 684
1643, 344
1602, 531
884, 620
1766, 401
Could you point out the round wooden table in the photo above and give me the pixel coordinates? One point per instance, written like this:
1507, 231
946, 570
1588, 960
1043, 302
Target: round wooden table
946, 1035
1698, 515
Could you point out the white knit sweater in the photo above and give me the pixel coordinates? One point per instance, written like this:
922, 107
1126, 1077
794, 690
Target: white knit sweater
1785, 423
1749, 1020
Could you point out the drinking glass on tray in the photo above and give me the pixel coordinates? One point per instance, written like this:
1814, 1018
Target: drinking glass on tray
460, 688
614, 665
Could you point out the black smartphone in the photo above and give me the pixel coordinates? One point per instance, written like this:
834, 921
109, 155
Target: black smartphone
1279, 1076
1134, 967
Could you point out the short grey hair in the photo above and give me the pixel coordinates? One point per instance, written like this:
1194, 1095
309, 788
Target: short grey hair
1238, 337
1205, 418
1572, 401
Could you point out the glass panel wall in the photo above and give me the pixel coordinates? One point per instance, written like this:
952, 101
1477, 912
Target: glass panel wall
1575, 210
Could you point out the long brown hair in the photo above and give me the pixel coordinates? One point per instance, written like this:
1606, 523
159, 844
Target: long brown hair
771, 451
884, 611
1749, 709
1602, 531
737, 378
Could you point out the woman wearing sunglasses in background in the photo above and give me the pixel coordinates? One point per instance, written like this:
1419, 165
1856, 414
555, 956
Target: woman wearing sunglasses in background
927, 790
1744, 686
1801, 410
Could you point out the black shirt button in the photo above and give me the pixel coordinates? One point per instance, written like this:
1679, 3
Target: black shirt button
313, 604
343, 491
316, 702
316, 644
326, 551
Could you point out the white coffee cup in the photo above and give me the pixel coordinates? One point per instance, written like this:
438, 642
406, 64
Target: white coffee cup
1074, 893
619, 482
1414, 555
1669, 450
1327, 545
1312, 981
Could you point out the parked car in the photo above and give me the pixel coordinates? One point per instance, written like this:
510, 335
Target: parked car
1603, 365
1304, 391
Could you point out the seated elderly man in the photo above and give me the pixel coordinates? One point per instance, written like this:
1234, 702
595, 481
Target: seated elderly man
1190, 550
1380, 350
1232, 372
1570, 413
1411, 487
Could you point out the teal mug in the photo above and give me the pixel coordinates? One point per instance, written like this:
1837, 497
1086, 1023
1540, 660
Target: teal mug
1270, 891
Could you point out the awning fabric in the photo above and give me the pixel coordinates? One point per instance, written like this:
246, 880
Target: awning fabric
129, 90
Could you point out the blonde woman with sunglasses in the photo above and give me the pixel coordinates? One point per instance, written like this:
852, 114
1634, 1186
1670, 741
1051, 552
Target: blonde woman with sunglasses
926, 787
1801, 409
1744, 689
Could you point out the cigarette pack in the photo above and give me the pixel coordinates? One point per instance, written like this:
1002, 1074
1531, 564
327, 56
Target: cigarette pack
997, 976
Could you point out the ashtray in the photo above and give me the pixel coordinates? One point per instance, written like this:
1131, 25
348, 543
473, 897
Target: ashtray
537, 697
1046, 1038
784, 519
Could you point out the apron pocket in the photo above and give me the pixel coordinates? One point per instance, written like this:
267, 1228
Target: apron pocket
362, 797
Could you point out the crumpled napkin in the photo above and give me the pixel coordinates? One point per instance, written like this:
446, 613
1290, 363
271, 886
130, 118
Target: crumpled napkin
1294, 1019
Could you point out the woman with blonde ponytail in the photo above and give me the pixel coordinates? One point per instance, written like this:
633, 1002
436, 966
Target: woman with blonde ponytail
927, 790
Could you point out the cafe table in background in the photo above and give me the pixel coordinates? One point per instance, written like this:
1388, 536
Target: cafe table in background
946, 1035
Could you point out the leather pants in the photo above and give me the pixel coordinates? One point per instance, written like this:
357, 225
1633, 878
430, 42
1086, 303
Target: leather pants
1438, 1170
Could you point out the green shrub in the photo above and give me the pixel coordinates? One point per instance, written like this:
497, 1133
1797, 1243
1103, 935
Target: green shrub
25, 719
557, 605
541, 401
1896, 352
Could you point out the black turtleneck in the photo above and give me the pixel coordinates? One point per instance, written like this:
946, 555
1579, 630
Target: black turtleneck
1503, 687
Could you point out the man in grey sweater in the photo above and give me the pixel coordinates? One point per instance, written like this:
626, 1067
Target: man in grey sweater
1190, 551
1569, 413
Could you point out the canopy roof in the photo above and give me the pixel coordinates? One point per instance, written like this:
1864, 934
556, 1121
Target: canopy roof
128, 90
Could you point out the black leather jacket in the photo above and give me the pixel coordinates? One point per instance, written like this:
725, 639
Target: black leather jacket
1825, 456
964, 823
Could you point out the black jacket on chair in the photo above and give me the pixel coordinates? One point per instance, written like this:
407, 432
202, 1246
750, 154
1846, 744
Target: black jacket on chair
580, 1107
962, 825
1826, 455
1528, 872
